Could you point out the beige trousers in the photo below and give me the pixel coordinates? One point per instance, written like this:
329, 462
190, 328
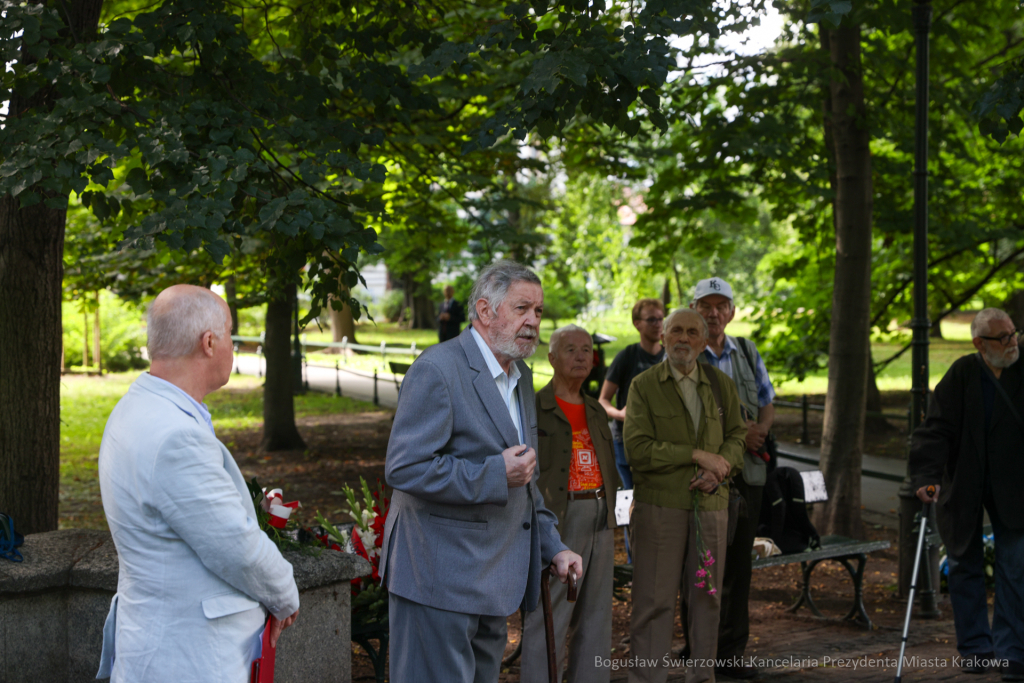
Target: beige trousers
665, 563
588, 621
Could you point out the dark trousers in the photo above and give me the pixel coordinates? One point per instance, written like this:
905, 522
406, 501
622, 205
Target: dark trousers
430, 645
734, 619
969, 597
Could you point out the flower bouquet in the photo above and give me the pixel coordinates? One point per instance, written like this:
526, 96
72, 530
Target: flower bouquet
365, 537
704, 557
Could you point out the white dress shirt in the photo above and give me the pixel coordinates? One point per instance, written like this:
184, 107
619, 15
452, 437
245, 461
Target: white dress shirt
506, 383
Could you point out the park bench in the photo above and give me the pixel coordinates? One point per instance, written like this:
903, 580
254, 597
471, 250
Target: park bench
843, 550
396, 370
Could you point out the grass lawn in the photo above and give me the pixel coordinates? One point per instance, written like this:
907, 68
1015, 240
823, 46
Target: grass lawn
86, 403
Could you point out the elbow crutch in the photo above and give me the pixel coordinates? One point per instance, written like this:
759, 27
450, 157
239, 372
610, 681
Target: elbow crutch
913, 579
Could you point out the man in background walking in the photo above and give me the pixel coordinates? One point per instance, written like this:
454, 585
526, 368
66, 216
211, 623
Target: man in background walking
451, 317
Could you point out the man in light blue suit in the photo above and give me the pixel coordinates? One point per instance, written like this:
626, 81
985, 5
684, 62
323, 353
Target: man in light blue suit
467, 534
194, 566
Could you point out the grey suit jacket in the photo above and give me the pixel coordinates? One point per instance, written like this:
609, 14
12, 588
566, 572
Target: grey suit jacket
457, 538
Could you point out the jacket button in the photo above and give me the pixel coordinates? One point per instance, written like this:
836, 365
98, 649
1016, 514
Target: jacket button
526, 525
563, 469
560, 488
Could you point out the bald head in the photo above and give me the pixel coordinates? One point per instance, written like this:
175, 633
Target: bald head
179, 317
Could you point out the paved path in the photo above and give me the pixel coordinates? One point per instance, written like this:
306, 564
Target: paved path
354, 383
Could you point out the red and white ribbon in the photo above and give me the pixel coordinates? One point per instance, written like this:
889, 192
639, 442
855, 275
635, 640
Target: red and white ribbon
279, 510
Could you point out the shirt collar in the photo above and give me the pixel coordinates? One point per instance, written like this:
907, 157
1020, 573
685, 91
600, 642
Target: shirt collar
727, 349
201, 410
492, 362
679, 376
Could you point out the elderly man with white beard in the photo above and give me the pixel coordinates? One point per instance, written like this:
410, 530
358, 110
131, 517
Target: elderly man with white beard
685, 436
468, 534
971, 449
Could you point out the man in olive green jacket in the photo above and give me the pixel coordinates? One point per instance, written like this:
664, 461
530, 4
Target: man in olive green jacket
577, 478
681, 459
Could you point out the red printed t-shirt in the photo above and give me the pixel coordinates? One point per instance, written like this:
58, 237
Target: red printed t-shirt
584, 472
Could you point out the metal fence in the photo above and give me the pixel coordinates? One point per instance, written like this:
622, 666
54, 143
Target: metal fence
383, 349
806, 406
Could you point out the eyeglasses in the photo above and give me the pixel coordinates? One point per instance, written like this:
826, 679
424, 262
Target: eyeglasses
1005, 339
722, 308
652, 320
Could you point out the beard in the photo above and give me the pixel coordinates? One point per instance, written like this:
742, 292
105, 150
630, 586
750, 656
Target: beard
681, 354
1004, 359
509, 343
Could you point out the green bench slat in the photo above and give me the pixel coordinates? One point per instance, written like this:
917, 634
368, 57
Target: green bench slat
831, 547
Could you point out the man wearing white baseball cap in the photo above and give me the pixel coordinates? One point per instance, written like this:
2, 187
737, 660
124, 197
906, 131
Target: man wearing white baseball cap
738, 358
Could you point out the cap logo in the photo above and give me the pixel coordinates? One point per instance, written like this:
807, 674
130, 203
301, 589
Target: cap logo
713, 284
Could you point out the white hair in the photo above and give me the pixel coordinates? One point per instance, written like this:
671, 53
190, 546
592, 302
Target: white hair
494, 282
175, 324
680, 311
983, 321
556, 336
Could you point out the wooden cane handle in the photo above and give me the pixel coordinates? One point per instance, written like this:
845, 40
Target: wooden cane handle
571, 595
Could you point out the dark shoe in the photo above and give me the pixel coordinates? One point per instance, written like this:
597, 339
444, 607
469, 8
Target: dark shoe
1012, 670
741, 673
977, 664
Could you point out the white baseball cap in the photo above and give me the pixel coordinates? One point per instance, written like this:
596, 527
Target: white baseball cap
712, 285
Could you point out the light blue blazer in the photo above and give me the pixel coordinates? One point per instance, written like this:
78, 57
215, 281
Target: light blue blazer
194, 566
457, 538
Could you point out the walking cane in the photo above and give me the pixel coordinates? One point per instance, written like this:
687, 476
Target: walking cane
549, 627
913, 580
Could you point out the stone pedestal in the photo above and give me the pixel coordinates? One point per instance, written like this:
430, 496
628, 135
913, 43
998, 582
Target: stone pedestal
53, 605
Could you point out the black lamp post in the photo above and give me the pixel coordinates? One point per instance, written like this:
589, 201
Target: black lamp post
297, 385
910, 505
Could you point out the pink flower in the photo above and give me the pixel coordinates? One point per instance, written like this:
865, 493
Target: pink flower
701, 573
712, 591
699, 585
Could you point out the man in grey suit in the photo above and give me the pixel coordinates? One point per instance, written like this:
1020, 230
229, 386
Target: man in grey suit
468, 535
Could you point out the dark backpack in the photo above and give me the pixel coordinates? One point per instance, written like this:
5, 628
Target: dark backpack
784, 512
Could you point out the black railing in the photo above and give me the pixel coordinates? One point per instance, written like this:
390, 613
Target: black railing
806, 406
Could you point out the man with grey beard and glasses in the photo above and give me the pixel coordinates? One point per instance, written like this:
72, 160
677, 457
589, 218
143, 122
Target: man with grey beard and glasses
468, 535
971, 449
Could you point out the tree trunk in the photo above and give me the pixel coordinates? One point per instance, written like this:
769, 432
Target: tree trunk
279, 430
666, 296
31, 275
231, 294
849, 358
423, 317
419, 305
97, 351
343, 323
85, 341
875, 424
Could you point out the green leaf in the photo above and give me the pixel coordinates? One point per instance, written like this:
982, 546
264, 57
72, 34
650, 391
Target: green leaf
650, 98
138, 181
